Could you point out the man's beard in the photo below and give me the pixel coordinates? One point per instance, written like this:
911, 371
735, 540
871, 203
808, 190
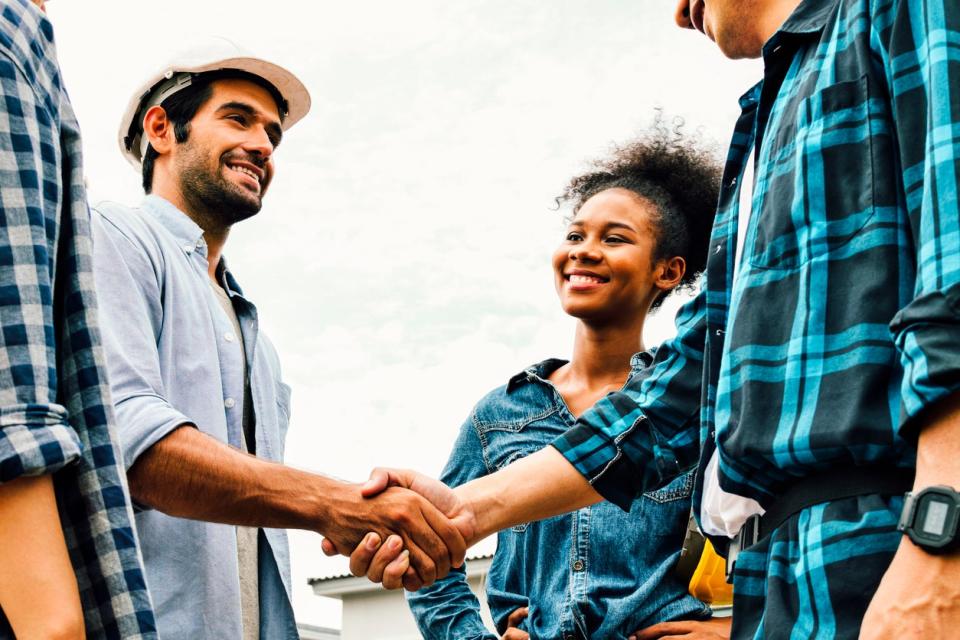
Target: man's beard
211, 196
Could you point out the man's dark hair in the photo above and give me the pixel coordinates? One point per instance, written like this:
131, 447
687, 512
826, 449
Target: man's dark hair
679, 174
182, 106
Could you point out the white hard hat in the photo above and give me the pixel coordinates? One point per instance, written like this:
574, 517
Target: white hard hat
218, 54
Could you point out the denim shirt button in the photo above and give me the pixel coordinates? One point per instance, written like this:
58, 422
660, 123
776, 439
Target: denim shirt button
578, 565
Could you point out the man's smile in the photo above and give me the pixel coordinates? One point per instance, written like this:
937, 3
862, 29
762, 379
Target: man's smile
252, 174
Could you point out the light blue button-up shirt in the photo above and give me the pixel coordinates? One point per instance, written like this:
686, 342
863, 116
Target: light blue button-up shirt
173, 358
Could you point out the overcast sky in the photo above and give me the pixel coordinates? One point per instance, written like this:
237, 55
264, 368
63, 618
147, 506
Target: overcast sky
401, 260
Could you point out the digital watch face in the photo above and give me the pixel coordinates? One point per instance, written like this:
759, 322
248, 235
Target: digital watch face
935, 523
935, 519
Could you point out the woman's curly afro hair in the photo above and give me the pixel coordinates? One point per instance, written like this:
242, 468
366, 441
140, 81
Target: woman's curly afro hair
678, 174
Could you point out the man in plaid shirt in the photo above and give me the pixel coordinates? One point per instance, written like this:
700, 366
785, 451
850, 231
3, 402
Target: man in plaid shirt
825, 343
55, 415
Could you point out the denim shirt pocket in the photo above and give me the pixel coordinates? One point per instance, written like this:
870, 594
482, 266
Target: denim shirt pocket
678, 489
506, 436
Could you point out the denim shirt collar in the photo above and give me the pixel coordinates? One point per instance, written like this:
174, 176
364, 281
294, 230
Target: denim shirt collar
541, 371
536, 372
186, 232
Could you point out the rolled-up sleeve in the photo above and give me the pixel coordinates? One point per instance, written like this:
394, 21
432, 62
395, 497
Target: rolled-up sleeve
639, 438
35, 435
924, 63
131, 316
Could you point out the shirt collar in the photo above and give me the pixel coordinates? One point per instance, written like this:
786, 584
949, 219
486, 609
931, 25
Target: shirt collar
541, 371
185, 231
226, 277
810, 17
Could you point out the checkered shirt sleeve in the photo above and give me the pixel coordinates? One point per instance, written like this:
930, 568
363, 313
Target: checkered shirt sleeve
35, 437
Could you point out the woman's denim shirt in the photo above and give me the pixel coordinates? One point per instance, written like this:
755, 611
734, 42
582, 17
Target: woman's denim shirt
595, 573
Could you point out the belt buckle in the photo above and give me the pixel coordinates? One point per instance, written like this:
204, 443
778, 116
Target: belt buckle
747, 537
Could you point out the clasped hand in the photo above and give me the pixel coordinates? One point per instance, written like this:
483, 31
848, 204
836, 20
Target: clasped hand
408, 551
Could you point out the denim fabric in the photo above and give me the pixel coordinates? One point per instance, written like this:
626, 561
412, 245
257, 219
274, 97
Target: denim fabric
595, 573
173, 359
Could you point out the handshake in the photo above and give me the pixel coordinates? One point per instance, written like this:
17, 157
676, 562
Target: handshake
407, 530
404, 530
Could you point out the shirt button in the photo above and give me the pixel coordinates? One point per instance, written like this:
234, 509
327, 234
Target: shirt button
229, 337
578, 565
229, 403
188, 248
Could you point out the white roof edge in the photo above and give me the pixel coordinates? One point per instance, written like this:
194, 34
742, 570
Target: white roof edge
348, 585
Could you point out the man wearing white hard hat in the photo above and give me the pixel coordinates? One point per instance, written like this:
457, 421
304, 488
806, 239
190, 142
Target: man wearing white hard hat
201, 407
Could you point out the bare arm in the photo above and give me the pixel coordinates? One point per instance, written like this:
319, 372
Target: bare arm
918, 586
538, 486
188, 474
38, 588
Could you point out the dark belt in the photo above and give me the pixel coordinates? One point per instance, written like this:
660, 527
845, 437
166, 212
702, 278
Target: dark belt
827, 486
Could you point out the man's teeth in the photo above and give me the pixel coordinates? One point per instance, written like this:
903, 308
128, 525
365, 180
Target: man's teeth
246, 171
585, 279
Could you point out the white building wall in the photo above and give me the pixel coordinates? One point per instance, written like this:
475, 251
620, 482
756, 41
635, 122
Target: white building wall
384, 615
372, 613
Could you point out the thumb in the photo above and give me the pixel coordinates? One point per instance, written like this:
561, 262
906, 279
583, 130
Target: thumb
378, 482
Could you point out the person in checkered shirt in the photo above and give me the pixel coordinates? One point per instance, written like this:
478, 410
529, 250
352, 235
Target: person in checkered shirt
70, 564
816, 378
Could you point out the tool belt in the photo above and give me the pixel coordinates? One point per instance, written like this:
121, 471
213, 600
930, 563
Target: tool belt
827, 486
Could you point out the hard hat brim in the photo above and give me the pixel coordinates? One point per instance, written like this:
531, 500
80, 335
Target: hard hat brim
285, 82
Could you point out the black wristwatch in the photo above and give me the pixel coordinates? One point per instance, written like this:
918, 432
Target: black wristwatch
930, 518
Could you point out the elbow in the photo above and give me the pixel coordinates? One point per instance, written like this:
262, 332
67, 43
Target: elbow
61, 625
71, 628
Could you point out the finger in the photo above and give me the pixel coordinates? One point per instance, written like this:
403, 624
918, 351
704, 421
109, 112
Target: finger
422, 561
517, 616
329, 549
363, 555
411, 581
395, 571
515, 634
455, 547
390, 551
661, 631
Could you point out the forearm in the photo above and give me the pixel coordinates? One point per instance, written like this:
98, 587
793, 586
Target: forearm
938, 448
189, 474
38, 587
538, 486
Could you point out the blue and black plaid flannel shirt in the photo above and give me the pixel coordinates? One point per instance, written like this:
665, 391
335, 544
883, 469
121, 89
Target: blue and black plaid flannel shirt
55, 416
843, 323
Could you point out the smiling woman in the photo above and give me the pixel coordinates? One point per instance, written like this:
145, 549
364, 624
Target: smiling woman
639, 229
